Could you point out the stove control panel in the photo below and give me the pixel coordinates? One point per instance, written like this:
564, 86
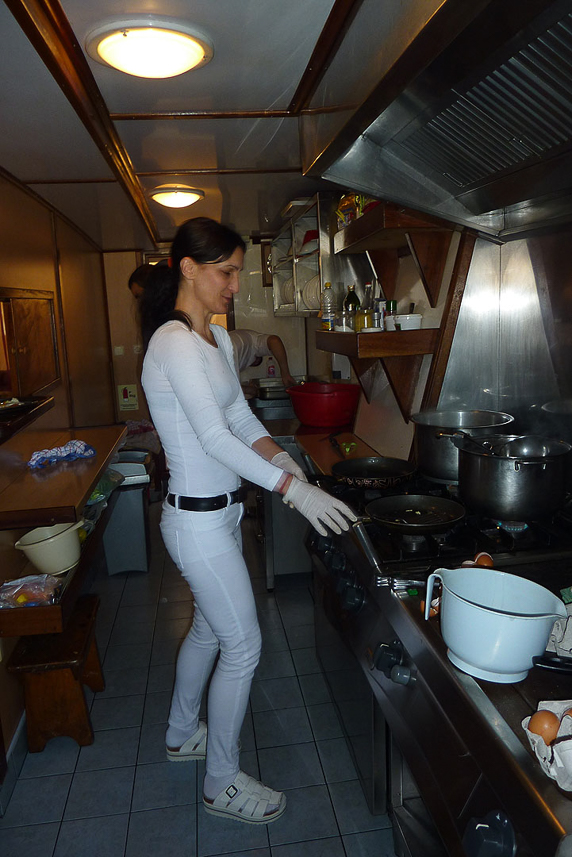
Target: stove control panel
388, 658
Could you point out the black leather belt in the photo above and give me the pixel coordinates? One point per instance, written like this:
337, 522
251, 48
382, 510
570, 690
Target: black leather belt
207, 504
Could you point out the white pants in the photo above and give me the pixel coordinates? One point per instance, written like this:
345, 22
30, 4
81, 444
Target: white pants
207, 549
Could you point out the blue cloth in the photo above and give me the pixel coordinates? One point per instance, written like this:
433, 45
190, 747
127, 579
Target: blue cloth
69, 452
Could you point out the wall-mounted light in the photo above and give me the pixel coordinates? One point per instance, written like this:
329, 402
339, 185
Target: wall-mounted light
176, 195
149, 47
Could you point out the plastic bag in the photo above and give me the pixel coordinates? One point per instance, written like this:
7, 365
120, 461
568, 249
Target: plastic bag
110, 480
30, 591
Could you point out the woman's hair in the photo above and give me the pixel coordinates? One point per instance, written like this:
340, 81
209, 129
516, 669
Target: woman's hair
202, 239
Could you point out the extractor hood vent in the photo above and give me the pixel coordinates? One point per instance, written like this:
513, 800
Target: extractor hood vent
512, 117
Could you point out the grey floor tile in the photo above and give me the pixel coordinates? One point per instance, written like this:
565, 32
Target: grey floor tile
275, 665
35, 841
276, 728
132, 634
174, 610
375, 843
306, 661
314, 689
165, 652
269, 621
161, 678
256, 852
124, 682
325, 721
122, 657
176, 592
173, 629
166, 832
336, 760
37, 801
290, 767
128, 616
99, 837
58, 757
330, 847
164, 784
351, 809
99, 793
117, 713
301, 636
112, 748
275, 694
274, 640
157, 707
296, 614
222, 836
152, 744
309, 815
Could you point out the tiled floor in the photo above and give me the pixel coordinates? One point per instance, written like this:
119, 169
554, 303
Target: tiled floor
120, 796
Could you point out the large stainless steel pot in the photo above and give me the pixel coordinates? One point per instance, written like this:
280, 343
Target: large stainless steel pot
509, 487
435, 454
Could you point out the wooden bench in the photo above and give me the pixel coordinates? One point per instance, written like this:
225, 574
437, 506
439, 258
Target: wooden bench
54, 668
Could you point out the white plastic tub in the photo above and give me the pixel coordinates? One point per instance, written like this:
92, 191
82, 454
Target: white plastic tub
494, 623
52, 550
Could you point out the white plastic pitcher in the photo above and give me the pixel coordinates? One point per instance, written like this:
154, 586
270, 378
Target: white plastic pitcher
493, 623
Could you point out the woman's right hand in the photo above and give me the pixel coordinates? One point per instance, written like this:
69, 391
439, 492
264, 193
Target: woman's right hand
318, 507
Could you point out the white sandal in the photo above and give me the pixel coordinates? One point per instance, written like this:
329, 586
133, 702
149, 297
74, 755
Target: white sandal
247, 800
194, 748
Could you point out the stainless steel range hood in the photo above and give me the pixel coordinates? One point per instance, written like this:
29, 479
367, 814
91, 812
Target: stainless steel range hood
483, 135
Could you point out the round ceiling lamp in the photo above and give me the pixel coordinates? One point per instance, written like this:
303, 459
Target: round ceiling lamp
149, 47
176, 195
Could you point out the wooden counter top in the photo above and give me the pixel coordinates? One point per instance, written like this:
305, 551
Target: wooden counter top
57, 493
322, 453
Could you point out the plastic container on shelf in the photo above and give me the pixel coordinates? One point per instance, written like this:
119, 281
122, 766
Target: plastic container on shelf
328, 307
317, 404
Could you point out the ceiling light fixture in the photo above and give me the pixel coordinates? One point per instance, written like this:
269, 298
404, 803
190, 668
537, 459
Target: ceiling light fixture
149, 47
176, 195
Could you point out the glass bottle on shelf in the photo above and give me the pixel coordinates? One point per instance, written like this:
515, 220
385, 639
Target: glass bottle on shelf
328, 307
363, 316
351, 300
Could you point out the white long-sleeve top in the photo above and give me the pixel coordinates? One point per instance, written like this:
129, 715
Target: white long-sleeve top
200, 413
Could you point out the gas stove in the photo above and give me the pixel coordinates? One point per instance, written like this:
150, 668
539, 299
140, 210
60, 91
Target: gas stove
450, 762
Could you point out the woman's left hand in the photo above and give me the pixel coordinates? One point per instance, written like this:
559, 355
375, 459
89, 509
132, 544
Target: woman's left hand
287, 463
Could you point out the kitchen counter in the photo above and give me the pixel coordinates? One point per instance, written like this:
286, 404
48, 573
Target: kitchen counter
57, 493
314, 442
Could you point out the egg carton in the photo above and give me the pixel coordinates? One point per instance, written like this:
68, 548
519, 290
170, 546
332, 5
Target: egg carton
555, 758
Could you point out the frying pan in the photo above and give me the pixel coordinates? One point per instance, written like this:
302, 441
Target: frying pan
415, 513
372, 472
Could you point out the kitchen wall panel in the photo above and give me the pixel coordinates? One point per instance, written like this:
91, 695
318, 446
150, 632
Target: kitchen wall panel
88, 347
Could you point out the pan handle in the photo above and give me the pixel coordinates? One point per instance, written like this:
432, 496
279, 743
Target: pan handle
552, 662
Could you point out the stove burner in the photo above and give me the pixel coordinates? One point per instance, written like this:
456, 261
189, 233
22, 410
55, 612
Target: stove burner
412, 543
515, 528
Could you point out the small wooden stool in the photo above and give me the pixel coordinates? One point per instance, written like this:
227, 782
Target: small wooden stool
54, 668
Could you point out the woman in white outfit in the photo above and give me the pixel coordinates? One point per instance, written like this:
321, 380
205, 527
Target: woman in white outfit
211, 440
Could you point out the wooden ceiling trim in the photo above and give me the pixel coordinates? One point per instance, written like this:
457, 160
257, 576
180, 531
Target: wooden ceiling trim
49, 31
339, 21
202, 114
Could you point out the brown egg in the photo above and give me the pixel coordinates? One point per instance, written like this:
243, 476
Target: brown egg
546, 724
568, 712
434, 609
484, 560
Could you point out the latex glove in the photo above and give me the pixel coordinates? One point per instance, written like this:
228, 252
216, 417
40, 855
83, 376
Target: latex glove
287, 463
318, 507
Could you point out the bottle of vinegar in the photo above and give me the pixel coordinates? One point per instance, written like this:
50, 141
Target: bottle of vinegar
351, 300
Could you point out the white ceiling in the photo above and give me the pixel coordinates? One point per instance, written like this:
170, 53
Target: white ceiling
261, 50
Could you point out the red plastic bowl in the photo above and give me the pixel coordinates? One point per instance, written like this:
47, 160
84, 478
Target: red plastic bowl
325, 404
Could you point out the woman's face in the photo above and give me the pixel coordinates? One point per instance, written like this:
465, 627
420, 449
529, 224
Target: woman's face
214, 284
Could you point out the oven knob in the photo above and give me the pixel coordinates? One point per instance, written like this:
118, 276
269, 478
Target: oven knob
400, 674
337, 561
353, 598
319, 543
491, 836
386, 656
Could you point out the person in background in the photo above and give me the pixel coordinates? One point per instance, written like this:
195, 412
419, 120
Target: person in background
138, 280
250, 347
212, 440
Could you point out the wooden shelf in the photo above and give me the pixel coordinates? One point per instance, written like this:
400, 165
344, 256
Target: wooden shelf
52, 618
57, 493
386, 227
13, 422
390, 343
